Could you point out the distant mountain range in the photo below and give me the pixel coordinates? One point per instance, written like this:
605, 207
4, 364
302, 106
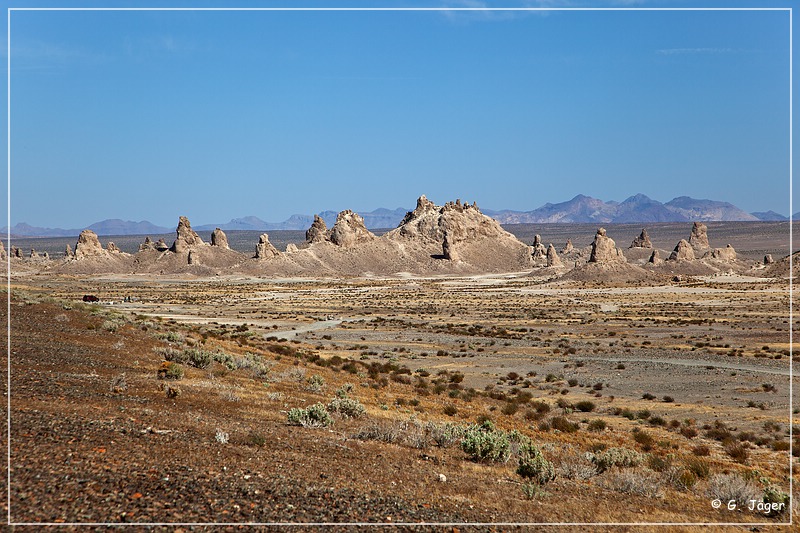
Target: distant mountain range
581, 209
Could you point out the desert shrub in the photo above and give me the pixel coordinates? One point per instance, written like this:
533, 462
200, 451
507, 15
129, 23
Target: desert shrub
316, 383
572, 382
198, 358
484, 443
585, 406
221, 436
532, 465
444, 435
256, 439
170, 370
597, 425
774, 495
701, 450
648, 396
733, 487
619, 457
345, 390
541, 407
532, 490
640, 482
780, 445
562, 424
657, 421
627, 413
111, 325
379, 431
346, 407
688, 432
680, 478
573, 465
658, 463
697, 466
315, 416
668, 399
450, 410
737, 451
510, 408
169, 354
645, 439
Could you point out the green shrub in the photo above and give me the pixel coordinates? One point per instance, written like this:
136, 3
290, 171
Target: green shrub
774, 495
585, 406
316, 383
198, 358
445, 434
170, 370
619, 457
484, 443
347, 407
597, 425
315, 416
533, 465
345, 390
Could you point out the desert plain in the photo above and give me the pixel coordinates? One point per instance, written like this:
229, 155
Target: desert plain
444, 372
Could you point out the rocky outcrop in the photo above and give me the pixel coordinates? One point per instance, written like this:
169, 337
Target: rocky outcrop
112, 248
318, 232
448, 249
291, 248
147, 245
568, 248
191, 259
655, 258
682, 252
161, 246
3, 255
264, 249
218, 238
604, 249
34, 255
552, 257
699, 237
68, 252
88, 245
642, 241
768, 260
186, 237
16, 252
46, 256
726, 254
539, 251
349, 230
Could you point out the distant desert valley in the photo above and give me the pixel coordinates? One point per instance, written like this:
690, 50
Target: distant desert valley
450, 370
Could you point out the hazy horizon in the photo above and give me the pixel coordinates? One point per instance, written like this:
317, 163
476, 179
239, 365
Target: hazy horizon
138, 115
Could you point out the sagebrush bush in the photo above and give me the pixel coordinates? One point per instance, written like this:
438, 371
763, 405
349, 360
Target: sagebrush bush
315, 416
170, 370
198, 358
619, 457
316, 383
347, 407
484, 443
532, 465
727, 487
444, 435
640, 482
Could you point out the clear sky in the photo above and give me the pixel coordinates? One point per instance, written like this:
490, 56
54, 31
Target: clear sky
213, 115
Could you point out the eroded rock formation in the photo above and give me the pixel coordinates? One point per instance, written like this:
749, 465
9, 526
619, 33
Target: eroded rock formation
264, 249
604, 249
683, 252
655, 258
88, 245
186, 237
349, 230
318, 232
699, 237
727, 254
218, 238
642, 241
552, 257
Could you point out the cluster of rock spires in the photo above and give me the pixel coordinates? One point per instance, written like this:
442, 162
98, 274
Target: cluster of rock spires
453, 238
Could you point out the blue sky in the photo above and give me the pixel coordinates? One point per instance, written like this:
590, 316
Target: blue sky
214, 115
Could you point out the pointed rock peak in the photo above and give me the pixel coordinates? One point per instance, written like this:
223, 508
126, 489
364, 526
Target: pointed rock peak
264, 249
186, 237
642, 241
552, 256
318, 232
448, 248
349, 230
655, 258
218, 238
699, 237
111, 247
567, 247
88, 245
683, 252
604, 249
